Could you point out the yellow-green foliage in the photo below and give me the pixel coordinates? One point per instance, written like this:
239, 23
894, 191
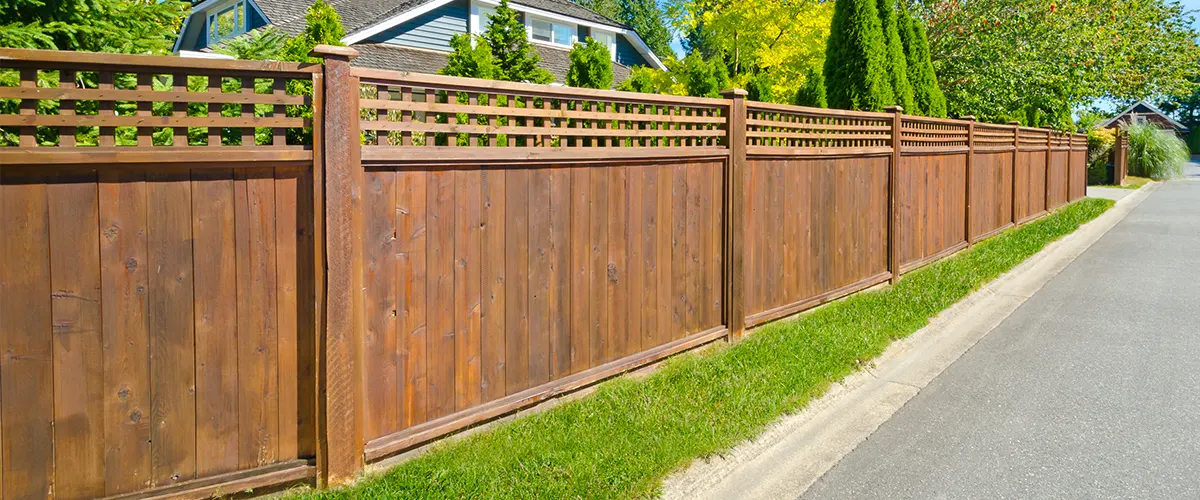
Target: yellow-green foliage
1100, 144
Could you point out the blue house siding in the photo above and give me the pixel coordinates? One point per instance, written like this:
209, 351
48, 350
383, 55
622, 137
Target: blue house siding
431, 30
628, 55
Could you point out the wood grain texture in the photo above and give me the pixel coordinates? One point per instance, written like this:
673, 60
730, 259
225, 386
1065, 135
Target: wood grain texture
76, 327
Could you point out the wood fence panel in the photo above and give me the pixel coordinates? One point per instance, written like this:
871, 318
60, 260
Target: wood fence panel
1078, 166
932, 191
991, 193
825, 221
1058, 178
1030, 199
538, 312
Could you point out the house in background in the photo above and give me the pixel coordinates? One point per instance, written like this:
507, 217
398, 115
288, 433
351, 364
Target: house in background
414, 35
1144, 112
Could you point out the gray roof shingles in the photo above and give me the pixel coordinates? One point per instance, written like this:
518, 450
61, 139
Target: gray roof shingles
397, 58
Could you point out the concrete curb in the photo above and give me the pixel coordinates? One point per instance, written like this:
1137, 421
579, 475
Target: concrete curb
798, 449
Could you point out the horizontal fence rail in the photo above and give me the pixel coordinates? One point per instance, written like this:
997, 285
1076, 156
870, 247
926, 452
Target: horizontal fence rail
223, 275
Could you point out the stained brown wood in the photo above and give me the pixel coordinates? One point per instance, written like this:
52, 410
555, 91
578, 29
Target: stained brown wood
380, 334
171, 326
26, 313
492, 371
412, 240
214, 283
125, 280
440, 291
467, 276
75, 301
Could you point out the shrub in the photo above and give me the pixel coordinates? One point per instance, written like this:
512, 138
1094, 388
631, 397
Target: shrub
1193, 141
704, 78
758, 87
812, 93
856, 75
591, 66
1156, 153
1100, 144
469, 60
641, 79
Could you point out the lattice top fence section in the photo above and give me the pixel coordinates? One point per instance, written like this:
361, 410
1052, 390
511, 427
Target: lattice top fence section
419, 112
58, 102
919, 133
775, 127
993, 137
1029, 137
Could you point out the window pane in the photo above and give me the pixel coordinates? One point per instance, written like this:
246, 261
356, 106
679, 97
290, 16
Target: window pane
227, 22
542, 30
484, 20
562, 34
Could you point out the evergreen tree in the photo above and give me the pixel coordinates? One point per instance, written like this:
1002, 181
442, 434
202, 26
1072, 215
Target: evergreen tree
758, 87
703, 78
642, 79
591, 66
469, 60
649, 22
896, 64
125, 26
812, 93
856, 74
515, 58
322, 26
928, 99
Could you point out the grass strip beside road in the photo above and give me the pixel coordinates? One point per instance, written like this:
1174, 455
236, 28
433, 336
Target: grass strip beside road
625, 438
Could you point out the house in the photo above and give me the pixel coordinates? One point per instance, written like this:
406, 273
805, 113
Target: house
1141, 112
414, 35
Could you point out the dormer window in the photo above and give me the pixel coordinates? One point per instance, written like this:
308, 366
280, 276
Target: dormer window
227, 23
544, 30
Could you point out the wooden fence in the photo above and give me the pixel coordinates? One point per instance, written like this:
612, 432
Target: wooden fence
193, 300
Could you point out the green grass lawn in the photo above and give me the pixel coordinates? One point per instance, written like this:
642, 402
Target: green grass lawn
625, 438
1131, 182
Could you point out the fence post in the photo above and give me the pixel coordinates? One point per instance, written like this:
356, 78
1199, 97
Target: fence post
893, 203
339, 382
1012, 205
970, 168
735, 215
1049, 155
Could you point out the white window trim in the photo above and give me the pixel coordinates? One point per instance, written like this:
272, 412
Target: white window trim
529, 31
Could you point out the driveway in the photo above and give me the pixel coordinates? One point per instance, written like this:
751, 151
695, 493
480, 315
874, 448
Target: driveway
1091, 389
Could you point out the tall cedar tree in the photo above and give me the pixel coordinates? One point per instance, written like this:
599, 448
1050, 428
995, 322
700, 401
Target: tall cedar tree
812, 93
125, 26
896, 64
515, 58
469, 60
928, 99
650, 22
591, 66
856, 75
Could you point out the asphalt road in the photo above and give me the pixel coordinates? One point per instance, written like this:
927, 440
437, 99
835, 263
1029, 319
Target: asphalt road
1091, 389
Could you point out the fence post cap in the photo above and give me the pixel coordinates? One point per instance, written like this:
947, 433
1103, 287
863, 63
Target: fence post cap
894, 109
969, 118
1015, 122
333, 52
734, 93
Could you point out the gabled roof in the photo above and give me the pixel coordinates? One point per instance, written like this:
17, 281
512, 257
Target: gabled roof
1149, 107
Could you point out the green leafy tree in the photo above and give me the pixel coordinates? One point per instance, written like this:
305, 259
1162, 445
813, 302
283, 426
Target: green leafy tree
995, 57
515, 58
927, 99
591, 66
812, 93
125, 26
856, 75
471, 60
897, 65
782, 39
